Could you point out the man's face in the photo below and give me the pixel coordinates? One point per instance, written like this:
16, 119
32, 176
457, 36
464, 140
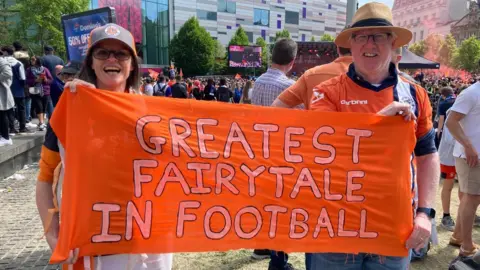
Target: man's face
372, 50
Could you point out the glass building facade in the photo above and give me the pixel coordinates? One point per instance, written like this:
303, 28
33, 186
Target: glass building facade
155, 30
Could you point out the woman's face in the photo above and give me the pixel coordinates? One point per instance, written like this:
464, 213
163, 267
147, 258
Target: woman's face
112, 63
33, 61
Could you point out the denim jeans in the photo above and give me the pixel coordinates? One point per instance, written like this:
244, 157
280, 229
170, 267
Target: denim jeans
49, 108
361, 261
28, 108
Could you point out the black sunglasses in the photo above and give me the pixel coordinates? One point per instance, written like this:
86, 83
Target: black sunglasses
103, 54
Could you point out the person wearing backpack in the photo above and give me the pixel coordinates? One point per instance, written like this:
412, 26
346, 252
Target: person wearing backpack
179, 89
161, 89
18, 91
223, 92
210, 90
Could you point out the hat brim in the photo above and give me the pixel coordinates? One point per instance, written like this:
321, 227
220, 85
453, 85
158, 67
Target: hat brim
404, 36
68, 70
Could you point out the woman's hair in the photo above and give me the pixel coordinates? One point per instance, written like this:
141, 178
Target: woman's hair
88, 74
246, 89
38, 60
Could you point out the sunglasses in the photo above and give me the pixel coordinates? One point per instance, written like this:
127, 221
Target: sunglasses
103, 54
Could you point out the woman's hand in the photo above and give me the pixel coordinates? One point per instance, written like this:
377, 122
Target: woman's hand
76, 82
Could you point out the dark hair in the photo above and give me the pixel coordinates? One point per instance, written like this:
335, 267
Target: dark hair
38, 60
8, 49
178, 78
284, 51
446, 91
223, 81
344, 51
210, 81
17, 45
88, 74
160, 79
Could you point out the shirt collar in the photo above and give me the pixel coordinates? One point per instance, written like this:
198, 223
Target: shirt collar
276, 71
391, 80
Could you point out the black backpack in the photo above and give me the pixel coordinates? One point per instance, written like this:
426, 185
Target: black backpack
223, 94
160, 91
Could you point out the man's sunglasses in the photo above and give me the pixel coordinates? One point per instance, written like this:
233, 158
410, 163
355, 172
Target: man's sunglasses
103, 54
380, 38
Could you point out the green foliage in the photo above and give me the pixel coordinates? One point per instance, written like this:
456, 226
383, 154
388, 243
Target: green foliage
468, 56
239, 38
327, 37
220, 51
193, 49
262, 43
40, 22
312, 39
418, 48
447, 51
282, 34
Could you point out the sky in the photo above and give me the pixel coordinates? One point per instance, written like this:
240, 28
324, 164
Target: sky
387, 2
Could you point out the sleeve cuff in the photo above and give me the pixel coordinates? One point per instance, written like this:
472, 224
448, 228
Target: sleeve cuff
426, 144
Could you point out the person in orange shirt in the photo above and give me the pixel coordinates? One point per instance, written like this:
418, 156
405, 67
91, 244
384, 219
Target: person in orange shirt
373, 85
301, 92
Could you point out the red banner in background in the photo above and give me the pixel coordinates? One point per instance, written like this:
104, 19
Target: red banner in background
128, 15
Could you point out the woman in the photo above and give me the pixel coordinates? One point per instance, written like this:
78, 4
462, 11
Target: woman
111, 64
6, 100
39, 80
210, 90
247, 93
197, 90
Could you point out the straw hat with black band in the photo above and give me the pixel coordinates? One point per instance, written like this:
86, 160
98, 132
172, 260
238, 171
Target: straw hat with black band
374, 16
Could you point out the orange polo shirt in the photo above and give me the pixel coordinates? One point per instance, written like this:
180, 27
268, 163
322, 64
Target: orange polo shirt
301, 92
349, 93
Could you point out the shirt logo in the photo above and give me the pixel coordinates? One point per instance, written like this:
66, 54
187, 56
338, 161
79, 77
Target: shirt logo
317, 96
354, 102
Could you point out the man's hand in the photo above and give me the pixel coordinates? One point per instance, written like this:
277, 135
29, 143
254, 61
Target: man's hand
472, 156
398, 108
422, 230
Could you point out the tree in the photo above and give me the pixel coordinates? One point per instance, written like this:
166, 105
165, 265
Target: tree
327, 37
312, 39
468, 56
433, 44
418, 48
193, 49
447, 51
282, 34
220, 64
239, 38
262, 43
44, 18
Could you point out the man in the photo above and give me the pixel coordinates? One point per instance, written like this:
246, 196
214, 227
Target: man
447, 100
6, 100
149, 83
50, 60
266, 89
18, 91
64, 75
179, 89
301, 92
463, 124
372, 85
162, 89
223, 92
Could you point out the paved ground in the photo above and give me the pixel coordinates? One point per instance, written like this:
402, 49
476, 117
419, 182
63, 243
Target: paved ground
21, 246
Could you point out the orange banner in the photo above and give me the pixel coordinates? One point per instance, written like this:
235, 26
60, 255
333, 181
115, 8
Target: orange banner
155, 175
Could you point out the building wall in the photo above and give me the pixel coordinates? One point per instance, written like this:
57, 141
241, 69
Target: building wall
424, 17
263, 18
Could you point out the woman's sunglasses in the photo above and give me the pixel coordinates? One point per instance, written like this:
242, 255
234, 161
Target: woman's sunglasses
103, 54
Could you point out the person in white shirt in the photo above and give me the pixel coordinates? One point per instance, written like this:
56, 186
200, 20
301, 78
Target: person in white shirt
149, 82
464, 125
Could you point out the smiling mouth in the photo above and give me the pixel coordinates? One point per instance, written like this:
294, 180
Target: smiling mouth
370, 55
111, 70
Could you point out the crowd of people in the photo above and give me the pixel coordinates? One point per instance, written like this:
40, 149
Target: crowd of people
29, 89
366, 70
